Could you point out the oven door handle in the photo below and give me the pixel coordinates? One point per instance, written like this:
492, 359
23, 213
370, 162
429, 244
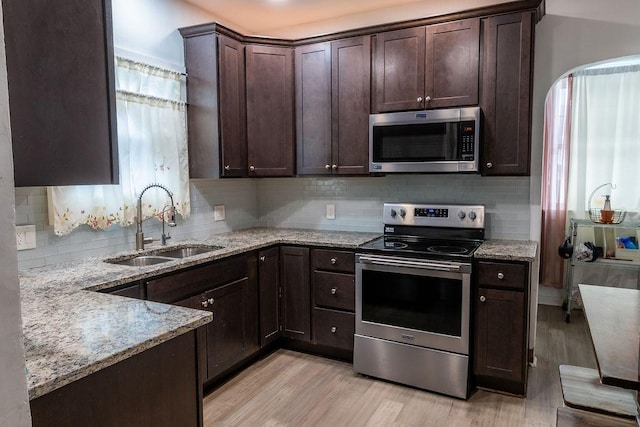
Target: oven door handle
409, 263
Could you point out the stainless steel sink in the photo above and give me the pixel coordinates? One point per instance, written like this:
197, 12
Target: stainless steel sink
141, 261
189, 251
160, 256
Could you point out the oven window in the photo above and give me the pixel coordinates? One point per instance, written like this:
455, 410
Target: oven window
424, 303
415, 143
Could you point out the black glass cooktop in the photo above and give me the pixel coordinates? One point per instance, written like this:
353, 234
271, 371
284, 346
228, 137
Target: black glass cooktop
423, 247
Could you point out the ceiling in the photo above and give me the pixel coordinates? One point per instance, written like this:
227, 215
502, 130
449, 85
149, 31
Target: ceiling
270, 17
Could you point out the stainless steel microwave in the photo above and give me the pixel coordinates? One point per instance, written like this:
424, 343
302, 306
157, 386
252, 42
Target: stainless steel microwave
445, 140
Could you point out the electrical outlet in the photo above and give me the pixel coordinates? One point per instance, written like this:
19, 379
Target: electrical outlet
331, 211
25, 237
218, 213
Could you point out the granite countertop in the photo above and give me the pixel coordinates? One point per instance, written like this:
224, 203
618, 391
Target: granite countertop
70, 332
508, 250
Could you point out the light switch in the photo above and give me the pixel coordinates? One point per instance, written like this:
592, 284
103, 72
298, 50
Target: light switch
25, 237
331, 211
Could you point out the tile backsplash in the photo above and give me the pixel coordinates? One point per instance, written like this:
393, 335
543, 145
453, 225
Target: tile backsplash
285, 202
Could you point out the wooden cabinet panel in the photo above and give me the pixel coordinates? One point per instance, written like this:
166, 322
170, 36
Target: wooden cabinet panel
60, 73
233, 121
399, 68
334, 260
333, 328
270, 110
158, 387
313, 109
350, 105
296, 294
269, 295
501, 326
131, 291
453, 52
334, 290
500, 334
506, 93
180, 285
502, 275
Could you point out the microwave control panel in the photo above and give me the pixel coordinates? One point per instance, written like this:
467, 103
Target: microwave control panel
467, 133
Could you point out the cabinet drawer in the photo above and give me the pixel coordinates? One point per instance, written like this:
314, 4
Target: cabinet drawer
326, 259
512, 276
181, 285
334, 290
333, 328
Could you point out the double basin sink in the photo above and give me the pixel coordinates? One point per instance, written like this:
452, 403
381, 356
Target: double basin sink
160, 256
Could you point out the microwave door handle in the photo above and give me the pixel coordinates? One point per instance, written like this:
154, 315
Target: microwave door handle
409, 263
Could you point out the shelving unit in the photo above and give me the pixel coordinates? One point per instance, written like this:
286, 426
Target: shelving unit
616, 267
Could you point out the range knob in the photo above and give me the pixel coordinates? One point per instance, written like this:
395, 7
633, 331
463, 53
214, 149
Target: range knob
393, 213
461, 215
403, 213
472, 215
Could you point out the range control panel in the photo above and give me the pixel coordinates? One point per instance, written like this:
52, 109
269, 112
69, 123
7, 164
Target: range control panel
434, 215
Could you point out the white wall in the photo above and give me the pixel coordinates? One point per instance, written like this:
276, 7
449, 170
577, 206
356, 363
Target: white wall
14, 401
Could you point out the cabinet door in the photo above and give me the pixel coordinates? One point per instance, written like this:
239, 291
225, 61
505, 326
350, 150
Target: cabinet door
351, 100
399, 67
506, 93
452, 64
233, 121
313, 109
269, 288
296, 293
270, 134
500, 334
60, 74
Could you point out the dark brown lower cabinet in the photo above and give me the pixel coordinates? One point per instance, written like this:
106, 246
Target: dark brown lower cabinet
269, 295
501, 328
159, 387
296, 293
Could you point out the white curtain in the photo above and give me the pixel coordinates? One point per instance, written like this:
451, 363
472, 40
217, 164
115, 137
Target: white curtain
605, 139
152, 148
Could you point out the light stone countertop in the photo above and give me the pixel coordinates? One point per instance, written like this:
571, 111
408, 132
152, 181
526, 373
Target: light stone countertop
508, 250
70, 332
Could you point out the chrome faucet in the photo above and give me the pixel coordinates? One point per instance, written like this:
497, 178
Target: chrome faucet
140, 239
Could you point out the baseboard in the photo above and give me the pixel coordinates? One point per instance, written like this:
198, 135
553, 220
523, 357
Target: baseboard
550, 296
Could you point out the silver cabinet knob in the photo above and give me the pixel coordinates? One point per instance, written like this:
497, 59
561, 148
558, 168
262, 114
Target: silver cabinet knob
334, 167
327, 167
334, 329
483, 298
427, 99
419, 99
334, 291
252, 168
333, 261
211, 300
262, 258
489, 165
206, 303
227, 168
500, 276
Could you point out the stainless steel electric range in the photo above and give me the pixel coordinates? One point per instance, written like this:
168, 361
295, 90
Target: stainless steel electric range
413, 289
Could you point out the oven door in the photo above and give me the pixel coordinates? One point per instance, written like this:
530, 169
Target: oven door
414, 301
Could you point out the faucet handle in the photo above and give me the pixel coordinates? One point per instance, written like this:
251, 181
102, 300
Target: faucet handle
165, 237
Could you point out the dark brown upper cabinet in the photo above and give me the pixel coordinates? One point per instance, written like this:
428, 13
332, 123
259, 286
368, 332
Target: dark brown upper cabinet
270, 111
506, 93
61, 91
333, 82
216, 111
427, 67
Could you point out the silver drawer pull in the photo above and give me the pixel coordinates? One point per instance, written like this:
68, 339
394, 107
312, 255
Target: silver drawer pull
500, 276
334, 261
334, 291
334, 329
483, 298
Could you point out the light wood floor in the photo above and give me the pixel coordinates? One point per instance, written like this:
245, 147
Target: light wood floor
294, 389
